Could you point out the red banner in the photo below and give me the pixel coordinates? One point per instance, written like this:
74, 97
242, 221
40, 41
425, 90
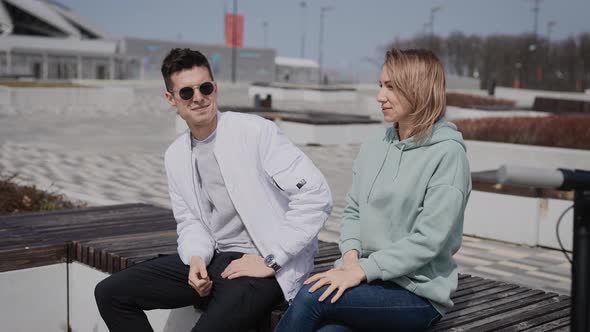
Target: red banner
229, 30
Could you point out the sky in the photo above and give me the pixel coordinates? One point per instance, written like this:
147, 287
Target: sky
354, 30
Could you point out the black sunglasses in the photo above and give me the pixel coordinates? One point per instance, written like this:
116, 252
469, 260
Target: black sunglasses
188, 92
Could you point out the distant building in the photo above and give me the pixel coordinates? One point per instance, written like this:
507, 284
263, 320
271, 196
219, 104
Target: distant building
252, 64
45, 40
296, 70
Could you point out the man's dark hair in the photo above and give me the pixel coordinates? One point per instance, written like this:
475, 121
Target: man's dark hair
180, 59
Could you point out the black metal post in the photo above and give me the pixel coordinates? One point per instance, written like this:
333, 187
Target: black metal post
581, 262
322, 10
302, 50
234, 51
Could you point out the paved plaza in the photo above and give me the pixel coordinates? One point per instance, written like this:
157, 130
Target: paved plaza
108, 158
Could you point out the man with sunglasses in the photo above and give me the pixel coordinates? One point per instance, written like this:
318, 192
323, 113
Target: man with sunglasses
248, 206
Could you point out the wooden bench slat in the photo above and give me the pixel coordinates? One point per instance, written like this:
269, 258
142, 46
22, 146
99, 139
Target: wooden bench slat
76, 212
33, 257
490, 304
508, 292
503, 287
484, 286
525, 315
562, 324
541, 320
475, 321
476, 284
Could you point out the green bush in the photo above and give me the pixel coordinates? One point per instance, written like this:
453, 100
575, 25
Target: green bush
15, 198
554, 131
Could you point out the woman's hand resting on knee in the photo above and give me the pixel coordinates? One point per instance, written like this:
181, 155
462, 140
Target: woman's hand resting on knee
347, 276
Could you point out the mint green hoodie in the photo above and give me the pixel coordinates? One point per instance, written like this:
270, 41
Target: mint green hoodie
405, 209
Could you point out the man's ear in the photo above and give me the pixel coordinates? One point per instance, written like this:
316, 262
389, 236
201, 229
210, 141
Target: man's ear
170, 99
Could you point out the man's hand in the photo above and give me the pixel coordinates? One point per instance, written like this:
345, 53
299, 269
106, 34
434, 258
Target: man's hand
341, 278
247, 266
198, 277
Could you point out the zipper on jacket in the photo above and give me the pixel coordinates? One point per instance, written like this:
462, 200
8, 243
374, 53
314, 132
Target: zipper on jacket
378, 172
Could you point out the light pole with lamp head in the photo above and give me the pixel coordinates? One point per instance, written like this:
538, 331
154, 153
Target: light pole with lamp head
303, 4
323, 10
433, 11
265, 31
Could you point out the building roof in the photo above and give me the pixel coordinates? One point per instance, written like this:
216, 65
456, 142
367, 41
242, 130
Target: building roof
25, 43
45, 18
80, 22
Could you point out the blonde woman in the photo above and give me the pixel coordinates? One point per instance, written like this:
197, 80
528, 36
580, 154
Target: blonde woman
404, 216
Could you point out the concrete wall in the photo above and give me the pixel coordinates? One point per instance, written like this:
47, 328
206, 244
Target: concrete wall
302, 134
64, 100
5, 100
34, 299
301, 95
454, 112
84, 315
524, 97
490, 155
520, 220
516, 219
461, 82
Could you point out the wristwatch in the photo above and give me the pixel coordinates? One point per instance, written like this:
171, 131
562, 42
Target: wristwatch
272, 263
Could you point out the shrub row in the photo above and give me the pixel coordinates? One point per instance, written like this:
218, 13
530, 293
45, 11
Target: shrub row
554, 131
15, 198
467, 100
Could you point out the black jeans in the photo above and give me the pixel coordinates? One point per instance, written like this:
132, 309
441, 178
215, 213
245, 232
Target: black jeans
162, 283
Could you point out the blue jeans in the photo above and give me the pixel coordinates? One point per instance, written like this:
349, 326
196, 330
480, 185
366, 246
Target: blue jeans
374, 307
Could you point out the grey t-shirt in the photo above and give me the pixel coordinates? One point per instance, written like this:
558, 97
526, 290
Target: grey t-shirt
222, 219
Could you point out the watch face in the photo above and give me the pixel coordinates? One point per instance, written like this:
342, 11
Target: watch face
269, 259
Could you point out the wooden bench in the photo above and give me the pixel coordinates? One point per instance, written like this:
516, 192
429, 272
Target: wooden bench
112, 238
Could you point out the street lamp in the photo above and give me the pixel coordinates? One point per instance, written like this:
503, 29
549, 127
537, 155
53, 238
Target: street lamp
323, 10
425, 28
550, 26
433, 11
265, 31
234, 51
536, 17
303, 5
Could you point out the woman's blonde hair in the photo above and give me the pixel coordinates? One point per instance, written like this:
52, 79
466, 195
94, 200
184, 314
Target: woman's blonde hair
419, 77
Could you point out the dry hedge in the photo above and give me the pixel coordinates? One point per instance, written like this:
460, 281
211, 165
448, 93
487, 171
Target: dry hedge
555, 131
467, 100
15, 198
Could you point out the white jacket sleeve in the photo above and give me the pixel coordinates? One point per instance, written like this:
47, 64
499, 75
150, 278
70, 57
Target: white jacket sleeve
193, 237
310, 199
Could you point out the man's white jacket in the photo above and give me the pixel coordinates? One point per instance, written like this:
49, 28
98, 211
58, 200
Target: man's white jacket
281, 197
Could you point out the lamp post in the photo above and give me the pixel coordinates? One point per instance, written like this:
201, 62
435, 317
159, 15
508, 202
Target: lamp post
550, 26
547, 61
433, 11
302, 50
265, 31
536, 17
234, 50
323, 10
